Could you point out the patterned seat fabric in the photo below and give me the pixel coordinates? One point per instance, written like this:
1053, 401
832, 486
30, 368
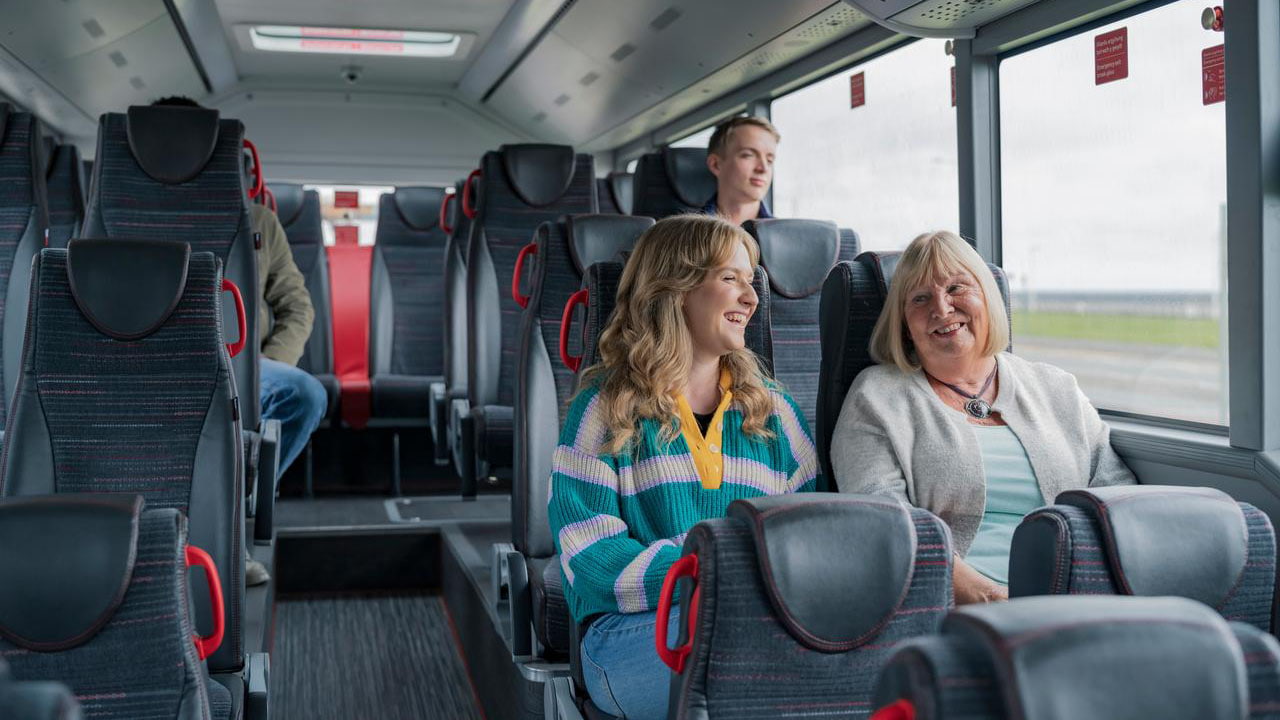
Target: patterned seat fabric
23, 220
453, 386
95, 595
299, 213
1106, 658
1150, 540
616, 193
672, 181
852, 297
798, 254
66, 185
781, 626
407, 307
145, 404
564, 250
521, 187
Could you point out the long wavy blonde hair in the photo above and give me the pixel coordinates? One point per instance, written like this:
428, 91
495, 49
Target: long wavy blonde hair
646, 350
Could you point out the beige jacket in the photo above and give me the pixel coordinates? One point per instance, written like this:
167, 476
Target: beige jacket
285, 305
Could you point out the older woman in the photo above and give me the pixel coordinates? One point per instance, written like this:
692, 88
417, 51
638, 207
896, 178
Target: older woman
950, 423
677, 421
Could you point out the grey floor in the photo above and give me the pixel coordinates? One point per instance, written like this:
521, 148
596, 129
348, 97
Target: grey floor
389, 657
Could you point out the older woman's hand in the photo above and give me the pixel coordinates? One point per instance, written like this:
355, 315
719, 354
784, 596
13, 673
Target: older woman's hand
971, 586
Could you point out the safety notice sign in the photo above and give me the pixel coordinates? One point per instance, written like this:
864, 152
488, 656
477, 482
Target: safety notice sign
1111, 56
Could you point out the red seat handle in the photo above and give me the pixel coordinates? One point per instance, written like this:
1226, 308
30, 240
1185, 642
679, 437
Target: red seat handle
256, 190
468, 196
444, 212
573, 362
897, 710
236, 347
208, 644
270, 199
674, 658
521, 299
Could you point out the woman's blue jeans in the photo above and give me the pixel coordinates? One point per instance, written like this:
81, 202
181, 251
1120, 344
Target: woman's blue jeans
620, 664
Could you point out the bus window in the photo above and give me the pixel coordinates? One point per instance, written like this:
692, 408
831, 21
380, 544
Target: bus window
1114, 216
698, 139
886, 168
346, 206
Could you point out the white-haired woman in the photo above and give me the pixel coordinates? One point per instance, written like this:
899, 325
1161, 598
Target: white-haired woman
951, 423
677, 421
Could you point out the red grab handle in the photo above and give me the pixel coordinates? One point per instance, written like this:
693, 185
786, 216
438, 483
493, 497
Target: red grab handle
206, 645
898, 710
573, 362
256, 190
468, 197
271, 199
521, 299
686, 566
444, 212
236, 347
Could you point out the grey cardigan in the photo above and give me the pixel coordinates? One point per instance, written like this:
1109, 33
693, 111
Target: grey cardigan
896, 437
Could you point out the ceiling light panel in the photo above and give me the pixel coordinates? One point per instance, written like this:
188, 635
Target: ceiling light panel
354, 41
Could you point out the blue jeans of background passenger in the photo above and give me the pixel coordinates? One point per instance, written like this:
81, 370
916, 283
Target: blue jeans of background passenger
620, 664
297, 400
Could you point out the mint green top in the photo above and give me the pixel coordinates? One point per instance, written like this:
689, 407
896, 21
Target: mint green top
1012, 493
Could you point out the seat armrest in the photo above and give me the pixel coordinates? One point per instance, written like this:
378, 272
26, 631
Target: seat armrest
439, 420
268, 473
257, 674
519, 606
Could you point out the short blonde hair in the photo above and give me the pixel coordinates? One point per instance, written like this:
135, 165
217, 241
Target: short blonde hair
930, 257
719, 142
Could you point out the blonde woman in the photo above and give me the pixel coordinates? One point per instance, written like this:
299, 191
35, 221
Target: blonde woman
676, 421
950, 423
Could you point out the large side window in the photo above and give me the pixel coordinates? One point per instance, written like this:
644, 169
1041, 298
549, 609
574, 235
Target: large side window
698, 139
1113, 177
873, 148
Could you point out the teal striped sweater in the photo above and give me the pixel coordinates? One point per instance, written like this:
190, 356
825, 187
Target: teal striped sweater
620, 520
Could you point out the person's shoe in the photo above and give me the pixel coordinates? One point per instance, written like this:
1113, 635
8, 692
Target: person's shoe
255, 573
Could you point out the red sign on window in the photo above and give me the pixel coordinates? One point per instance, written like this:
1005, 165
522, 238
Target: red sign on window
346, 199
1111, 56
1213, 73
858, 90
346, 235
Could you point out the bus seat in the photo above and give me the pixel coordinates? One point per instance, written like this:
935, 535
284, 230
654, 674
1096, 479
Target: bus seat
521, 187
1104, 658
1146, 540
798, 254
777, 617
23, 221
407, 309
66, 185
672, 181
453, 385
544, 385
852, 297
616, 193
95, 596
146, 406
299, 214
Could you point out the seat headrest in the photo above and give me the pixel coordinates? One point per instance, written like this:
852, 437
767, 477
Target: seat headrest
687, 172
289, 199
1160, 540
797, 253
126, 288
1106, 657
172, 144
622, 188
883, 265
419, 207
832, 602
600, 238
538, 173
65, 563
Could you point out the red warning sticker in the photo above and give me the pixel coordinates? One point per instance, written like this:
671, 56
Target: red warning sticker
346, 199
346, 235
1111, 56
858, 90
1213, 74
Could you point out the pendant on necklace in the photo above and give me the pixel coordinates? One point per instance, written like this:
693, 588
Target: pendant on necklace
977, 407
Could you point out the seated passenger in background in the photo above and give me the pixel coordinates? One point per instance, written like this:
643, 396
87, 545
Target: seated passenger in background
676, 421
740, 154
950, 423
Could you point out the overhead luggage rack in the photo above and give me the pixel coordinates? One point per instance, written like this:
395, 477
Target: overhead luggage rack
938, 18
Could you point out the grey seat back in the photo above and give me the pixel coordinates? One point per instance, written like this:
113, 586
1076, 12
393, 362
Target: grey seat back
455, 289
35, 700
23, 222
672, 181
94, 594
1108, 658
163, 173
406, 329
146, 404
798, 254
616, 193
299, 213
67, 190
852, 298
